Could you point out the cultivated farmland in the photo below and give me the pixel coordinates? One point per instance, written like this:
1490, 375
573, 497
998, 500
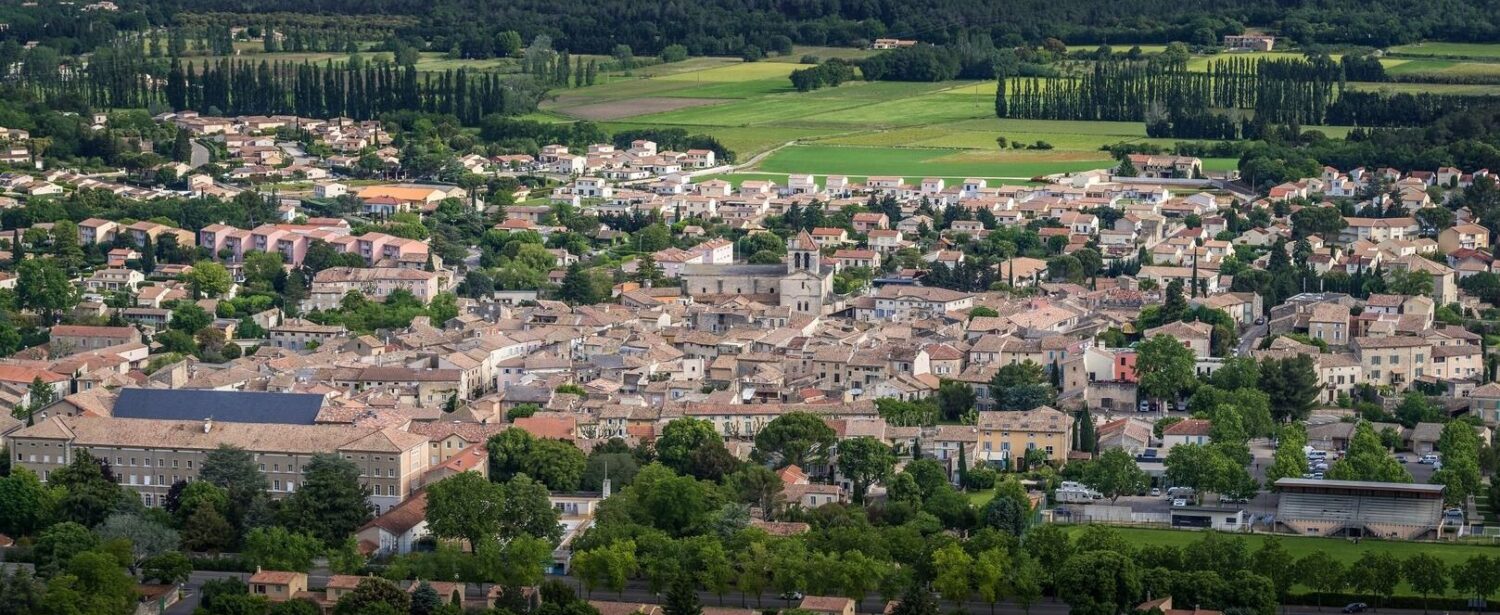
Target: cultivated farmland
945, 129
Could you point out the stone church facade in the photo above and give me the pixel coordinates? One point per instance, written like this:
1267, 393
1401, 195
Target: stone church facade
801, 283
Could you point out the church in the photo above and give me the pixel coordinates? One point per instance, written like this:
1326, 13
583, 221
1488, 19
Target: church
801, 283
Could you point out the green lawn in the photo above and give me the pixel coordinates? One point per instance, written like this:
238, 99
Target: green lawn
823, 53
1452, 50
744, 141
859, 128
1340, 549
917, 163
1434, 88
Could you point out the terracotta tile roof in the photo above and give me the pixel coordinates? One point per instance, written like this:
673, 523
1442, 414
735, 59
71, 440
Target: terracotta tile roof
556, 428
344, 581
826, 604
274, 577
1189, 427
25, 375
89, 331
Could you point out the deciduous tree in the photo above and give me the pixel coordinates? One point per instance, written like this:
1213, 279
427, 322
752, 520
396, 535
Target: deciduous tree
795, 438
1427, 575
330, 504
1115, 473
1165, 367
275, 548
864, 461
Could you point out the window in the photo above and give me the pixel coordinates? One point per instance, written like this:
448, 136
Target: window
1374, 360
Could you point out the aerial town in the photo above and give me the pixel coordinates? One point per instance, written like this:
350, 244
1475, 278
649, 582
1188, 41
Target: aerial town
367, 311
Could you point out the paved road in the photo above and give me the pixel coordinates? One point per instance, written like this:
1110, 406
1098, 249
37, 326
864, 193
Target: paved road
200, 155
1248, 340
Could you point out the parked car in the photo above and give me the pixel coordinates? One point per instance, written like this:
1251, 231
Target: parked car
791, 596
1179, 503
1429, 459
1355, 607
1455, 512
1320, 467
1261, 320
1145, 406
1155, 492
1402, 459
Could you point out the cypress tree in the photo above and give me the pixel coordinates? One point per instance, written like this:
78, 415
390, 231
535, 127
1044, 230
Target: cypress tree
963, 468
1000, 102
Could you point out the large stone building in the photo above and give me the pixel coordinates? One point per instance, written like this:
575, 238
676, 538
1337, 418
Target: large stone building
802, 283
330, 285
1008, 435
149, 455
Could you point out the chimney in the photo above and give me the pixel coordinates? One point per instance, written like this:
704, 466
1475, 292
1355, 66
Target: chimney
208, 424
604, 490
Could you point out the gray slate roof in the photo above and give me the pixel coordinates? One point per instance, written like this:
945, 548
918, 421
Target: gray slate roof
226, 406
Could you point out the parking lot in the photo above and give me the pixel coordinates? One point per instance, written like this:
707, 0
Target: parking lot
1264, 502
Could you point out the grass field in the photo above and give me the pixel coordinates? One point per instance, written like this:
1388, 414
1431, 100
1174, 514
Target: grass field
914, 162
823, 53
1418, 88
886, 128
1340, 549
1451, 50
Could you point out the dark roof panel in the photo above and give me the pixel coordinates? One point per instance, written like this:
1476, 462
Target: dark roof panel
227, 406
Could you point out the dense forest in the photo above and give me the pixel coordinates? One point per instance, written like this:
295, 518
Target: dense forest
729, 26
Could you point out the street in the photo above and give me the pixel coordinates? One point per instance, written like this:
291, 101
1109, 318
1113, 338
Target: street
200, 155
1248, 339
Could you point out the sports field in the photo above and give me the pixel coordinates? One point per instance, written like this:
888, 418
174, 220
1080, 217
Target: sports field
1343, 550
